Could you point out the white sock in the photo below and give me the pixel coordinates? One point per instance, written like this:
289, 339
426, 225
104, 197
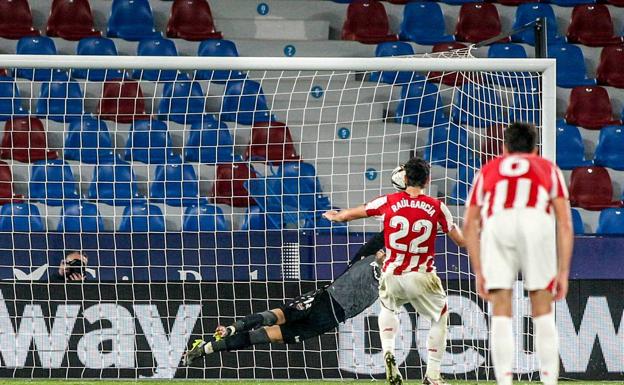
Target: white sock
388, 326
547, 348
208, 348
502, 349
436, 346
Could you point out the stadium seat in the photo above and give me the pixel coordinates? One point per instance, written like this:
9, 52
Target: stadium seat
611, 222
10, 100
591, 25
526, 105
477, 106
20, 217
492, 144
447, 145
209, 141
477, 22
192, 20
24, 140
591, 189
71, 20
451, 78
114, 184
218, 48
506, 51
465, 176
39, 45
577, 222
156, 46
52, 182
610, 71
16, 19
271, 142
101, 46
421, 105
205, 217
590, 107
132, 20
7, 194
122, 101
367, 22
175, 184
610, 148
149, 142
228, 186
142, 218
244, 102
302, 189
394, 48
88, 141
571, 69
60, 101
570, 147
256, 219
529, 12
268, 193
182, 101
82, 217
423, 23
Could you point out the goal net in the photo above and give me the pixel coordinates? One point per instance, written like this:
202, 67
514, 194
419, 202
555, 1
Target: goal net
193, 188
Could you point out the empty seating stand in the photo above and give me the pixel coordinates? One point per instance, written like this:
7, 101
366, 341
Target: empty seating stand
271, 142
611, 222
570, 147
219, 48
393, 48
591, 188
142, 218
228, 187
610, 71
81, 217
156, 46
122, 101
24, 140
204, 217
149, 142
7, 194
21, 217
526, 13
451, 78
192, 20
571, 69
610, 149
100, 46
367, 22
16, 19
591, 25
477, 22
131, 20
423, 23
590, 107
88, 141
71, 20
209, 141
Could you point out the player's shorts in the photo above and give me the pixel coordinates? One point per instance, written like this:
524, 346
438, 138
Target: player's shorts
310, 315
519, 240
423, 290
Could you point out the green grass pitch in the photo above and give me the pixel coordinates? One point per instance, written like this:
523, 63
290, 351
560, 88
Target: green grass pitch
311, 382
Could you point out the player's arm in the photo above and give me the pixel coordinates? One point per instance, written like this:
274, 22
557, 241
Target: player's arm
449, 227
457, 236
371, 247
472, 228
565, 243
346, 215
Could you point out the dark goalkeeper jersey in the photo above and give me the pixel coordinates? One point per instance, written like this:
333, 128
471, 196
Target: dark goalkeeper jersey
358, 287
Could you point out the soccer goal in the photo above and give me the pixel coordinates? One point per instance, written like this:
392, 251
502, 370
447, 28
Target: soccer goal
194, 188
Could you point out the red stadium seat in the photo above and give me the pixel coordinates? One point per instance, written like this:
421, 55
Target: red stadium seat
25, 140
610, 71
228, 187
71, 20
492, 145
16, 19
591, 25
6, 185
450, 78
477, 22
192, 20
271, 141
591, 189
590, 107
122, 102
367, 22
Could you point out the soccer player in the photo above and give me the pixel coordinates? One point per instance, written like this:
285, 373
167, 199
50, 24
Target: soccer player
309, 315
510, 228
411, 221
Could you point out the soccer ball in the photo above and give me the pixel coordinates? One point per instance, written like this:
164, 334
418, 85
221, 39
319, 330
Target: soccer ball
398, 178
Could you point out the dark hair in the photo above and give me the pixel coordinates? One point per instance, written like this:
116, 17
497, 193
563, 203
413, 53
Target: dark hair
417, 171
520, 137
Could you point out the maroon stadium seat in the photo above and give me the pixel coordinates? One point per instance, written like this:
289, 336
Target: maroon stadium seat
610, 70
24, 140
451, 78
71, 20
477, 22
122, 102
367, 22
6, 185
16, 19
590, 107
271, 141
591, 189
228, 187
591, 25
192, 20
492, 144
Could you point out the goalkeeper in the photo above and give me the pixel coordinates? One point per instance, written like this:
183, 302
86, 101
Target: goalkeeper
307, 316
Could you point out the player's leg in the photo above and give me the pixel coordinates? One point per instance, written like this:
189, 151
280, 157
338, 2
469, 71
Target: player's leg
252, 321
501, 335
546, 337
388, 322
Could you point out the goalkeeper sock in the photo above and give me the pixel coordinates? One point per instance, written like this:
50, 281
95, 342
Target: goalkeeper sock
436, 345
547, 348
253, 321
388, 325
235, 342
502, 345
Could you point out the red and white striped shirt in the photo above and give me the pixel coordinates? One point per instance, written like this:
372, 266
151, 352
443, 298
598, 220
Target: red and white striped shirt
517, 181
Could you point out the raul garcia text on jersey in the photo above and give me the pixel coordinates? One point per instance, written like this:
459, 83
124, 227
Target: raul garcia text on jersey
414, 204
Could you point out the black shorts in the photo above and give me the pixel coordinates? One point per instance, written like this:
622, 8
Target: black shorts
310, 315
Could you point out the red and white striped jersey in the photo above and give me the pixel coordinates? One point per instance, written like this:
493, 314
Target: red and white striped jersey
517, 181
410, 227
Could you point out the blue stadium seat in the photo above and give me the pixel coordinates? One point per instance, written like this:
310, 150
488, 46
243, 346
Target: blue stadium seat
132, 20
302, 189
209, 141
577, 222
38, 45
219, 48
156, 47
60, 101
393, 48
149, 142
571, 69
20, 217
610, 148
421, 105
142, 217
256, 219
448, 144
570, 147
182, 101
204, 217
52, 182
100, 46
528, 12
527, 106
88, 141
506, 51
244, 102
80, 217
465, 176
423, 23
10, 100
477, 106
114, 184
611, 222
176, 184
